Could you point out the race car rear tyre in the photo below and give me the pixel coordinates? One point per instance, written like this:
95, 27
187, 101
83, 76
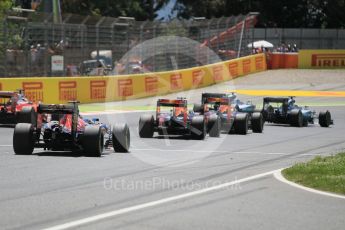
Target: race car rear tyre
146, 126
27, 115
23, 139
296, 118
214, 126
198, 108
93, 141
241, 123
325, 119
268, 113
198, 128
121, 138
257, 122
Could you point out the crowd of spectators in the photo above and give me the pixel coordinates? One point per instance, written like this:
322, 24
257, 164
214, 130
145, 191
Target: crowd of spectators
283, 48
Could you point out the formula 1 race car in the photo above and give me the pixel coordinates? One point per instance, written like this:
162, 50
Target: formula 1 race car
256, 118
15, 108
286, 111
172, 118
63, 129
232, 120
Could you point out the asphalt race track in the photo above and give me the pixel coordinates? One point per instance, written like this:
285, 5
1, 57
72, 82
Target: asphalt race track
50, 189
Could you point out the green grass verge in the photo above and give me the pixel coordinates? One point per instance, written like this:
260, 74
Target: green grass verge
322, 173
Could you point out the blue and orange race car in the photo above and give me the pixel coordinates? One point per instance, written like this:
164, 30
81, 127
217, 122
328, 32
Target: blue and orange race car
223, 107
172, 118
63, 129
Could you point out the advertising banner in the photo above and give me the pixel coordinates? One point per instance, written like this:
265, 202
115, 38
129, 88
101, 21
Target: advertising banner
321, 59
115, 88
57, 63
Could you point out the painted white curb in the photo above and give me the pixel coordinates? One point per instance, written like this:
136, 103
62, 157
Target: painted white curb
278, 175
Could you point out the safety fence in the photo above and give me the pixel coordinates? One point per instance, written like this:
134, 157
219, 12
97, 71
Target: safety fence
35, 46
115, 88
303, 38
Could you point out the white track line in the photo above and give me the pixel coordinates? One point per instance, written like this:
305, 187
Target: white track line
180, 150
280, 177
206, 151
311, 154
118, 212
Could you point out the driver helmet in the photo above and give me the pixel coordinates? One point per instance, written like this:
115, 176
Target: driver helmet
291, 102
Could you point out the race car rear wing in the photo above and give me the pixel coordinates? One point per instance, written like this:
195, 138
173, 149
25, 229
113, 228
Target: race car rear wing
205, 97
213, 95
71, 108
276, 99
57, 108
172, 103
7, 94
213, 100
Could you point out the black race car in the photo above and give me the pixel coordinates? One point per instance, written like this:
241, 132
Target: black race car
283, 110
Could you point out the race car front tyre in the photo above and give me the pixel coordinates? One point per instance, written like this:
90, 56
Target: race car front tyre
241, 123
27, 115
214, 126
296, 118
257, 122
93, 141
23, 139
325, 119
198, 108
198, 128
146, 126
121, 138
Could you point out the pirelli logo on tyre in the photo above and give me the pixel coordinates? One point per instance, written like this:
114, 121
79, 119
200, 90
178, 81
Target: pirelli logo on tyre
259, 63
246, 66
98, 89
198, 77
328, 60
125, 87
233, 69
67, 90
33, 91
217, 73
176, 82
151, 85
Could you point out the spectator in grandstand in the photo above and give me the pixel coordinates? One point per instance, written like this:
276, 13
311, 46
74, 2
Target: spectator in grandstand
33, 53
287, 49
